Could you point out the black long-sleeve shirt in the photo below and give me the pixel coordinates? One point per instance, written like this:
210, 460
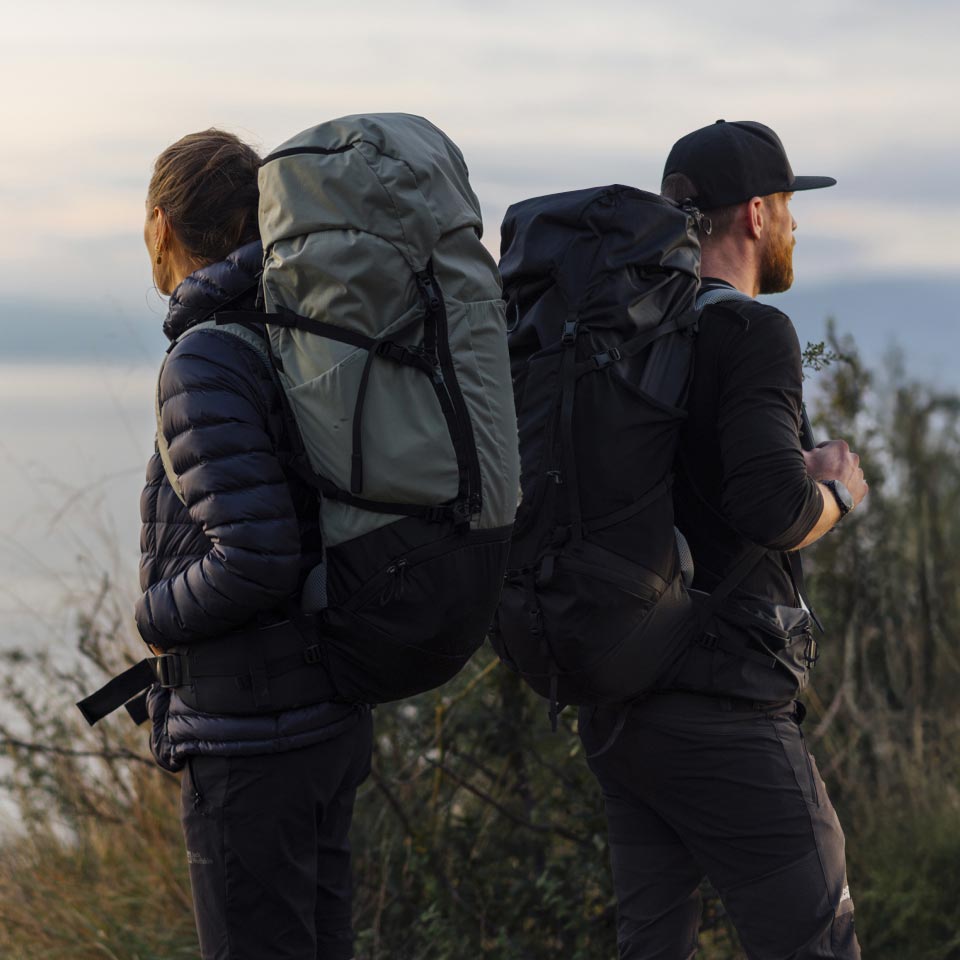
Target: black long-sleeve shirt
741, 448
741, 452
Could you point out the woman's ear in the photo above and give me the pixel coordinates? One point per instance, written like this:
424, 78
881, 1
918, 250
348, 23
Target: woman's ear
161, 232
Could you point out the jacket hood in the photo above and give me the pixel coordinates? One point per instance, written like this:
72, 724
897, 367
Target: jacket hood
231, 281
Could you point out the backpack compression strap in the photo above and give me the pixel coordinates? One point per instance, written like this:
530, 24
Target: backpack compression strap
458, 510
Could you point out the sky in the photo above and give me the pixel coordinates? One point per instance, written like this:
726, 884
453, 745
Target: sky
541, 97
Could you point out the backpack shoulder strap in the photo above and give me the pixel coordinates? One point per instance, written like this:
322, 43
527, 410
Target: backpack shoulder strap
719, 295
239, 330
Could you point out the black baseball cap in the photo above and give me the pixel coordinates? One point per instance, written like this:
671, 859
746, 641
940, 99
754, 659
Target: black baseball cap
729, 163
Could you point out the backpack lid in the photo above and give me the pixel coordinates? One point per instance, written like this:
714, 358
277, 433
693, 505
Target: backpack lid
356, 173
581, 237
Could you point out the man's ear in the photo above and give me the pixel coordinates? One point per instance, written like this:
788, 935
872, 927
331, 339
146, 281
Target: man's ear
755, 220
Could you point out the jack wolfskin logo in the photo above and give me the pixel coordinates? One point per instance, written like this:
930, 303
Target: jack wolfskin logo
197, 858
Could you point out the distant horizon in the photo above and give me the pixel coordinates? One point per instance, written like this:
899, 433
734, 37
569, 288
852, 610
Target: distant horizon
918, 314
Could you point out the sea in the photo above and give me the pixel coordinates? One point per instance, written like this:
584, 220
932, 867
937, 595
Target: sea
74, 442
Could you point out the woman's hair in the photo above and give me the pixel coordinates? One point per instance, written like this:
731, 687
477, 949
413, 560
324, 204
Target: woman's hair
206, 184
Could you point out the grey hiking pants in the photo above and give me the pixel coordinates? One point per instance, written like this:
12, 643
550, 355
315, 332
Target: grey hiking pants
700, 786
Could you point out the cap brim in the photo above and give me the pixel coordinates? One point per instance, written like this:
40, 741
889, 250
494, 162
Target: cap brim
811, 183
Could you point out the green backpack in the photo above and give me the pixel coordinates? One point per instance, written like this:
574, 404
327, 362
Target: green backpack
385, 327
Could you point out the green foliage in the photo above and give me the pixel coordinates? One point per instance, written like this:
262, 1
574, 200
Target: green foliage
817, 356
483, 831
95, 868
885, 700
909, 869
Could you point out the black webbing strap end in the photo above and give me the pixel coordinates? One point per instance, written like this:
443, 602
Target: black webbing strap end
116, 692
137, 708
546, 569
795, 566
555, 707
622, 716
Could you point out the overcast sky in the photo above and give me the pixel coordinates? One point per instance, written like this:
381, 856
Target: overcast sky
540, 96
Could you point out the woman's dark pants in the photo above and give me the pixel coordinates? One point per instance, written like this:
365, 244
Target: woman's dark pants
267, 846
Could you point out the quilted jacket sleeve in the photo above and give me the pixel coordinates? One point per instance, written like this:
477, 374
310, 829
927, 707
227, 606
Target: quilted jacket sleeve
215, 413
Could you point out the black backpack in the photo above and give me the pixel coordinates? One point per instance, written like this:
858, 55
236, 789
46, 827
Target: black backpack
601, 289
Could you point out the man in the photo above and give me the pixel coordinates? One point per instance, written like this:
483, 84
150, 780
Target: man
711, 776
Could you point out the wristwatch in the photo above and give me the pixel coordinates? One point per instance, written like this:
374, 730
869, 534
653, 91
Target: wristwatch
841, 494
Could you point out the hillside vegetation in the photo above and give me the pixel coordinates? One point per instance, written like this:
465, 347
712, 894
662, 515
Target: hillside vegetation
480, 832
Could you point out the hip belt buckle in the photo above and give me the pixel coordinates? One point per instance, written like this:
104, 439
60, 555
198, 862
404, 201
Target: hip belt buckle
170, 670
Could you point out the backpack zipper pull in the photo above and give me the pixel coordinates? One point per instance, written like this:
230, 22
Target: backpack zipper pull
401, 578
394, 589
197, 795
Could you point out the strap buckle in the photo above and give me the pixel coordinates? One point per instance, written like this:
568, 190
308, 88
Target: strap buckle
412, 356
313, 654
169, 670
428, 291
569, 331
391, 350
601, 360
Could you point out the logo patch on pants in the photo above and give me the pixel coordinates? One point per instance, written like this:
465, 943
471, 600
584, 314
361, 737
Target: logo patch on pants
197, 858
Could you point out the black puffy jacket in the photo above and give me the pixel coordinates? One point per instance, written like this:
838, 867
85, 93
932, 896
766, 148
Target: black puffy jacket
247, 536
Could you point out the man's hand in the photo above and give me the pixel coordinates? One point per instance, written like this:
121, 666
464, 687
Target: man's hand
834, 460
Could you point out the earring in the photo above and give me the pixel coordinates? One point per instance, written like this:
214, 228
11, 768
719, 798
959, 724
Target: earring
159, 258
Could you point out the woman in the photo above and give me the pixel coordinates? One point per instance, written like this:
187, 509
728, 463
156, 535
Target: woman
266, 799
